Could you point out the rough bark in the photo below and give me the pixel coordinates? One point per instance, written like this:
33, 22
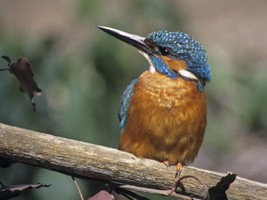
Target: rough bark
87, 160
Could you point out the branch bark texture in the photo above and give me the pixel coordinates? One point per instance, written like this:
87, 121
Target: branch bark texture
87, 160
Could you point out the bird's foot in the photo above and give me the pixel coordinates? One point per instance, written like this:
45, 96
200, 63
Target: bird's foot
178, 169
167, 163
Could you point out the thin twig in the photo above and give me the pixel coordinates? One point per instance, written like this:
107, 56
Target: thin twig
168, 192
196, 178
77, 187
178, 184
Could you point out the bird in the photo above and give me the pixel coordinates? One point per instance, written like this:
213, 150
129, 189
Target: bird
163, 112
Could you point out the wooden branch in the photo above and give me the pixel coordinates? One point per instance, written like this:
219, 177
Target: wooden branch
86, 160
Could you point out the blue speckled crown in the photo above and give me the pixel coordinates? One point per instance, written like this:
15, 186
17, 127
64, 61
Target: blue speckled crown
184, 47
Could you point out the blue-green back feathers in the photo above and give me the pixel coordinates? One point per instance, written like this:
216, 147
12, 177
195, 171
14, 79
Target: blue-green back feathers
125, 103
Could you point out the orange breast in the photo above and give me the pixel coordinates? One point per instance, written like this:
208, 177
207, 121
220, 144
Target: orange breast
166, 119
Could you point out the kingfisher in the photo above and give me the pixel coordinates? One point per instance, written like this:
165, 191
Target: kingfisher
163, 112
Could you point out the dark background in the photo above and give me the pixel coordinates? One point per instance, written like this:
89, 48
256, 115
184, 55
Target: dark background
83, 72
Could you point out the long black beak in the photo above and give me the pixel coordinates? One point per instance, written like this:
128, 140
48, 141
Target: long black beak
134, 40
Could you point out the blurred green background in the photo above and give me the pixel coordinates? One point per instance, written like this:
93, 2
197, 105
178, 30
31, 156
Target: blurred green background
83, 72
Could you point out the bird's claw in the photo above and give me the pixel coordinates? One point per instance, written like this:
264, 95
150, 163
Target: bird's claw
178, 170
167, 163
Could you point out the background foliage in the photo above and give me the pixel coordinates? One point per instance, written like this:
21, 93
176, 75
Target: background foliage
83, 72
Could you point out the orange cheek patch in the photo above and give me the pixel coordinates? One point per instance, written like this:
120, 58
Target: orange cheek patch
174, 65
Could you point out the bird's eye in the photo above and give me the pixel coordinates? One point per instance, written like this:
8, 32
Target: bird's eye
164, 51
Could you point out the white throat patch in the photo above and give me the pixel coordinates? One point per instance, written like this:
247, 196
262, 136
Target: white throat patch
151, 66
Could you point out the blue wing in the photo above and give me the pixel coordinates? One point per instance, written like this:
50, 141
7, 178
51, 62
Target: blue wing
125, 103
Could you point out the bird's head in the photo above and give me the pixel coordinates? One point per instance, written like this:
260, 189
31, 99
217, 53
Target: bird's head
172, 54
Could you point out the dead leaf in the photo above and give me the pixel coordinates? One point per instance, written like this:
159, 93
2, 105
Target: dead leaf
218, 192
22, 69
10, 191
